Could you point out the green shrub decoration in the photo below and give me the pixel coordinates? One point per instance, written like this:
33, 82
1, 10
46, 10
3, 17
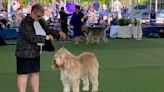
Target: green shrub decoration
123, 22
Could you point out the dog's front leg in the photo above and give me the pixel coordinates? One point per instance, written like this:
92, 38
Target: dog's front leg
66, 82
90, 37
66, 85
75, 85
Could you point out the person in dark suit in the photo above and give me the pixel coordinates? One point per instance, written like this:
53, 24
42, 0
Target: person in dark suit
32, 35
63, 21
76, 22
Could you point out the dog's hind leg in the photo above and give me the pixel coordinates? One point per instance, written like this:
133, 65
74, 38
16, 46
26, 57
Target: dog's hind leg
93, 76
85, 83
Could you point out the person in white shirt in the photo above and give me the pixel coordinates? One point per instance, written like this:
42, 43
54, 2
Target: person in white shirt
15, 5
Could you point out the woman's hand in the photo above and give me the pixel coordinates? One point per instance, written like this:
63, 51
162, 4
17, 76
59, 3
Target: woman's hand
49, 37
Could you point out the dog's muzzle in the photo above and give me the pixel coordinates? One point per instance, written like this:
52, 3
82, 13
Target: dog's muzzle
56, 65
54, 61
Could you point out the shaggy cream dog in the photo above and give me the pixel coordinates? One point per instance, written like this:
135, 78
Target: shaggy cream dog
73, 68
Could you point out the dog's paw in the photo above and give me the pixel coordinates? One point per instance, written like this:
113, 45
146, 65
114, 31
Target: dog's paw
85, 89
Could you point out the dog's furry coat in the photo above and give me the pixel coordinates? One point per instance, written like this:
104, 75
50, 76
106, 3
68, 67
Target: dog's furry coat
73, 68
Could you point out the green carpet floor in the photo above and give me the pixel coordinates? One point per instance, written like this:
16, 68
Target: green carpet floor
126, 65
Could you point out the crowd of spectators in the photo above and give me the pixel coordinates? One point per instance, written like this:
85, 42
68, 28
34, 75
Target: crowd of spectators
56, 13
52, 10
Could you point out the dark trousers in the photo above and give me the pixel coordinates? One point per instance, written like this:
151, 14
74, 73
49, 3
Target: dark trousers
64, 27
2, 41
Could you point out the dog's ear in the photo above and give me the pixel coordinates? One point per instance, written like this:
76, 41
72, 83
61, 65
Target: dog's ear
66, 63
66, 58
65, 54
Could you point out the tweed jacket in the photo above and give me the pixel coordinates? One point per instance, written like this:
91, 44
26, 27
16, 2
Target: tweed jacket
26, 46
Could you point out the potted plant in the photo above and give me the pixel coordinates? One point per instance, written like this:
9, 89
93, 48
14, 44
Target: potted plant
123, 22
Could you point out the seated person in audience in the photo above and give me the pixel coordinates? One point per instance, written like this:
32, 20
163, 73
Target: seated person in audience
114, 20
153, 17
4, 21
19, 16
14, 22
92, 16
103, 23
161, 33
101, 20
47, 14
153, 34
49, 21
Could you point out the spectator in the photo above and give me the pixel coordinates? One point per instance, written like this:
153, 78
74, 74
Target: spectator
15, 5
14, 22
61, 3
117, 6
4, 21
92, 15
32, 3
47, 14
114, 20
96, 5
152, 17
161, 33
55, 6
1, 4
19, 16
101, 20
